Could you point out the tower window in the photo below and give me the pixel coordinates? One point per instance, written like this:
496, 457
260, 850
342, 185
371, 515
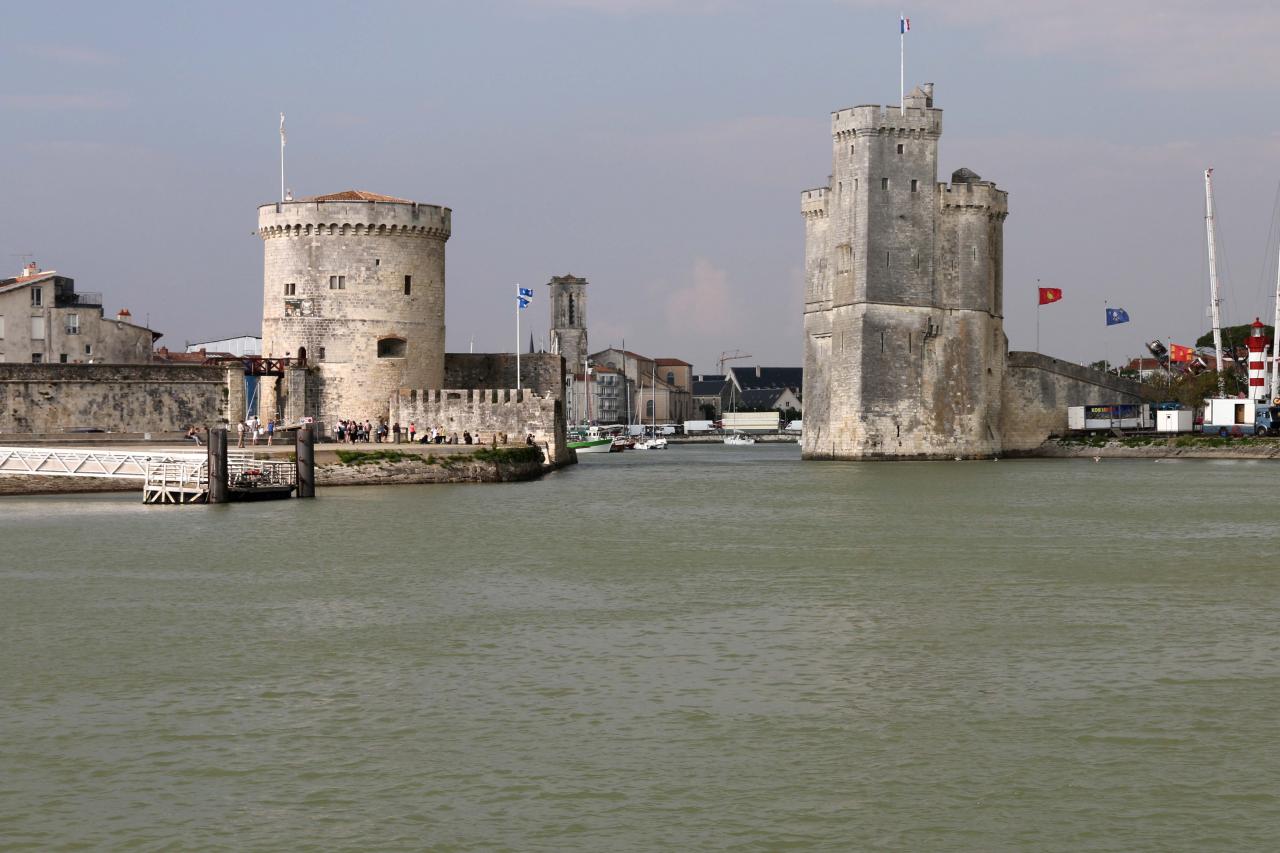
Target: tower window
88, 349
915, 258
291, 288
392, 348
408, 285
899, 147
974, 250
884, 183
62, 359
319, 353
886, 260
337, 282
915, 185
850, 149
572, 314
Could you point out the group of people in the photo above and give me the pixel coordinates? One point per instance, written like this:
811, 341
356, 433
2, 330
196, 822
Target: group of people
351, 431
255, 429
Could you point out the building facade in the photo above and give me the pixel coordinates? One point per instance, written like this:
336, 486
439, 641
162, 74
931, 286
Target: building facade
43, 320
904, 338
354, 289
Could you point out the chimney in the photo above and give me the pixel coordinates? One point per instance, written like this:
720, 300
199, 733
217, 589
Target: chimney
125, 315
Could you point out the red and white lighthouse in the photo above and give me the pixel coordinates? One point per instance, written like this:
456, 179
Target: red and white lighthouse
1257, 343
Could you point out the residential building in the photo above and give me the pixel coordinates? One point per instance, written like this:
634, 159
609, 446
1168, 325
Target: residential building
673, 395
239, 346
759, 389
43, 320
710, 395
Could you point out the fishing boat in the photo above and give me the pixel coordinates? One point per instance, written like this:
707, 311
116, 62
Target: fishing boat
591, 440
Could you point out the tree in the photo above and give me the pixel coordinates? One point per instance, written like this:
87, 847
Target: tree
1233, 336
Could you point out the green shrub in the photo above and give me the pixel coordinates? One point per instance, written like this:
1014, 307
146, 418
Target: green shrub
369, 457
510, 455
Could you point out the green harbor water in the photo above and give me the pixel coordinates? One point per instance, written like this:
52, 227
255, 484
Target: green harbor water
704, 649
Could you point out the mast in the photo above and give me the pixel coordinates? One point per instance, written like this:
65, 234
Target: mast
1214, 302
1275, 337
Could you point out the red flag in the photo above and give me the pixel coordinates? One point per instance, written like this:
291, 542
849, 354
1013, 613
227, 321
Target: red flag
1180, 353
1050, 294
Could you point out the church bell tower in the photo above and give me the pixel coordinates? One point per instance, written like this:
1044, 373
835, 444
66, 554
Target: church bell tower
569, 320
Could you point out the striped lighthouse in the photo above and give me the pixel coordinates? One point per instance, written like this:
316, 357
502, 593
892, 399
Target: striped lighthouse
1257, 343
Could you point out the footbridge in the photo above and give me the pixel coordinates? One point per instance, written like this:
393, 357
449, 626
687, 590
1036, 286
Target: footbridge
167, 477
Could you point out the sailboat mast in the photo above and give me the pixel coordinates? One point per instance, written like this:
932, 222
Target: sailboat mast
1275, 337
1214, 302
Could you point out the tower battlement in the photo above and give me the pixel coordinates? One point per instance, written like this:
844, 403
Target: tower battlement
871, 119
976, 195
813, 203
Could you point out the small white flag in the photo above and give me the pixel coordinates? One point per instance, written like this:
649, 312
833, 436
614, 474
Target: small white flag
282, 139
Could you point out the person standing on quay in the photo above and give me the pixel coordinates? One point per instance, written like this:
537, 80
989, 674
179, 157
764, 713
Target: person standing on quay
413, 431
271, 430
239, 433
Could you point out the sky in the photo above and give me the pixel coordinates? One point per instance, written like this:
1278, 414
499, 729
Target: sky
657, 148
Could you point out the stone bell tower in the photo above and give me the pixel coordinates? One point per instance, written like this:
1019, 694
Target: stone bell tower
569, 319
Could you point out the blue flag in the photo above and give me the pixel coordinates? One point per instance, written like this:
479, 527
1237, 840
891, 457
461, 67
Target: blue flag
1117, 315
524, 303
524, 291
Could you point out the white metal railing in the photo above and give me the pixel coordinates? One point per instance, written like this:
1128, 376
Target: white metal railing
89, 462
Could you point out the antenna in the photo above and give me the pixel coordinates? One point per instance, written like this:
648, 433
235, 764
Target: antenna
731, 356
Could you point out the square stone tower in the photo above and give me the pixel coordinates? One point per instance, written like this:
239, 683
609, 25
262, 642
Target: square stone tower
569, 320
904, 336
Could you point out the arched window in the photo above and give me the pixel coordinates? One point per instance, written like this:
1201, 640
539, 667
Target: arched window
571, 312
302, 355
392, 347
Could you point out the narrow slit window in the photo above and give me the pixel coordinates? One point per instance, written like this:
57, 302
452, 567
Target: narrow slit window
884, 183
915, 184
408, 285
899, 147
886, 260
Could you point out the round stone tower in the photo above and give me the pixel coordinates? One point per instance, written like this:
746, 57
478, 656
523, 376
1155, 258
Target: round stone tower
353, 285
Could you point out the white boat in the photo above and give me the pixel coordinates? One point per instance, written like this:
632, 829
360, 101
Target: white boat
739, 438
655, 443
591, 441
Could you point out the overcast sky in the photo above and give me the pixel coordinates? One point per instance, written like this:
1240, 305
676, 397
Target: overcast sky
656, 147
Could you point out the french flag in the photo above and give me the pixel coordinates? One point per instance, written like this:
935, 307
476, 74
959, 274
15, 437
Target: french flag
904, 24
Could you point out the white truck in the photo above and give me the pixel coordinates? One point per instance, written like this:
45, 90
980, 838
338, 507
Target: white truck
1110, 416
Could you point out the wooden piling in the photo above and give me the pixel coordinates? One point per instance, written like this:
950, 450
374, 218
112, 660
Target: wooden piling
218, 464
304, 453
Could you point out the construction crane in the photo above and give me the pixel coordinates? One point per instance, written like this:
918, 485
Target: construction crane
731, 356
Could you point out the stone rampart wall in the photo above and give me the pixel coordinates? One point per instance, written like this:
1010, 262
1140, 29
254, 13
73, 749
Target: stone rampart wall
1038, 389
485, 412
58, 398
539, 372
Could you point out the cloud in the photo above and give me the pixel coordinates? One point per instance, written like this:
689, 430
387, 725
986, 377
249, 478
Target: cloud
704, 307
634, 7
1163, 45
65, 102
70, 53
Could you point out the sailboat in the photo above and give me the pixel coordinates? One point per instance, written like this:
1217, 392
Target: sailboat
589, 439
655, 441
736, 437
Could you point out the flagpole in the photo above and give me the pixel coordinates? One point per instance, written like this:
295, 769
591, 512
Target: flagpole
282, 157
902, 64
517, 336
1037, 315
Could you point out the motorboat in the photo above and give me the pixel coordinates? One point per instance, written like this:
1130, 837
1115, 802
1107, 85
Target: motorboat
739, 438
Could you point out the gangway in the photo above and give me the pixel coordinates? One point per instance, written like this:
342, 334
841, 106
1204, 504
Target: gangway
167, 477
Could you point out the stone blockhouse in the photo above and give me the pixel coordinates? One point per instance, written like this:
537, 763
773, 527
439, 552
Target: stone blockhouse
43, 320
905, 350
354, 288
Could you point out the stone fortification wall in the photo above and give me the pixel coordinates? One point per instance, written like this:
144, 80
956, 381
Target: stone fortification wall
1038, 389
57, 398
539, 372
360, 286
485, 412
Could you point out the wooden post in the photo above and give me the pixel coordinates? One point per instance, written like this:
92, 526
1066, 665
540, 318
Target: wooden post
304, 453
218, 464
